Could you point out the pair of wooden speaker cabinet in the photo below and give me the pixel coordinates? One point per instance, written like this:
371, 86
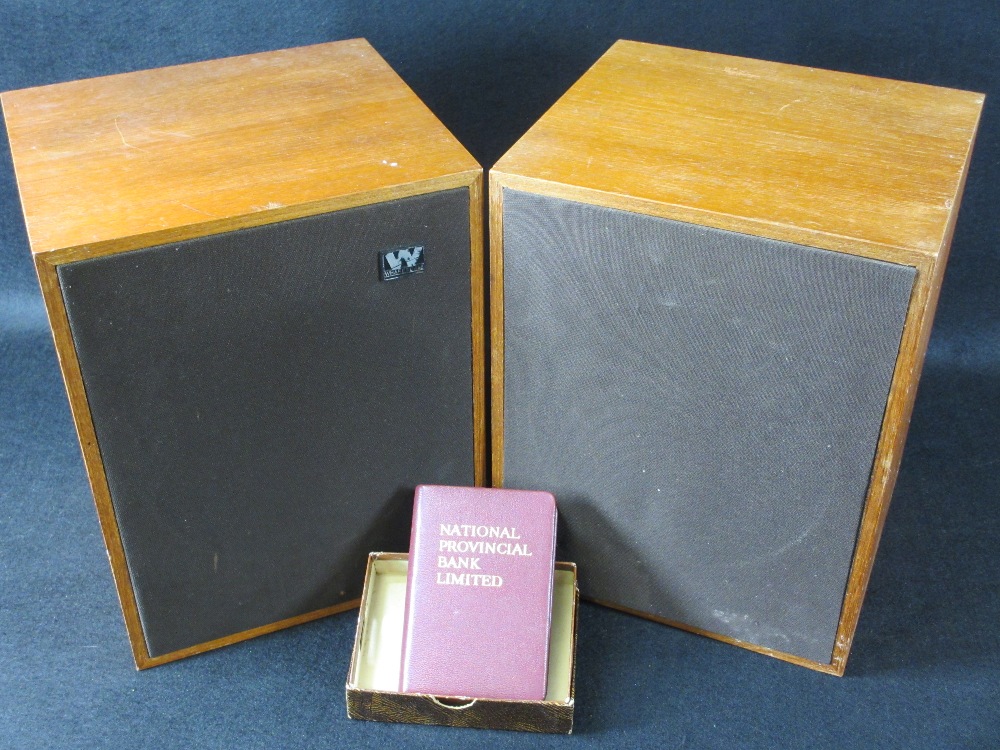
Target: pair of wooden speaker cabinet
712, 284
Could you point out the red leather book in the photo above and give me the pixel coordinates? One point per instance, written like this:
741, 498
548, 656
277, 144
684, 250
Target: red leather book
479, 593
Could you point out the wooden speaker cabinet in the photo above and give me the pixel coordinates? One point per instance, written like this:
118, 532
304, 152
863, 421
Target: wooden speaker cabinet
713, 281
264, 277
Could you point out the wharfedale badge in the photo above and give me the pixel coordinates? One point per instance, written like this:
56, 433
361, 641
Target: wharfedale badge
394, 264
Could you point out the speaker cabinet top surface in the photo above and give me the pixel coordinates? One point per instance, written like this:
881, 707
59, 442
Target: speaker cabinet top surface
712, 286
143, 158
834, 160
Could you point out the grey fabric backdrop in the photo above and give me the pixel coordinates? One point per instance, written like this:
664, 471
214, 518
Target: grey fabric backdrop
925, 667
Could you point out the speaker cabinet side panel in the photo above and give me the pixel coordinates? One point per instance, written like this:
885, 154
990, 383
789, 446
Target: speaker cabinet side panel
913, 349
706, 406
496, 332
73, 379
885, 467
477, 292
264, 405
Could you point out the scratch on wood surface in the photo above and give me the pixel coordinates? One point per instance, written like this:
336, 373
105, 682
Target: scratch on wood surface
196, 210
786, 106
739, 72
122, 136
171, 133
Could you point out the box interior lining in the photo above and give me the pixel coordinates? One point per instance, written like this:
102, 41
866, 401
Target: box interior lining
379, 658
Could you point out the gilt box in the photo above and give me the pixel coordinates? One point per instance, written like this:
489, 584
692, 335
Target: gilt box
373, 678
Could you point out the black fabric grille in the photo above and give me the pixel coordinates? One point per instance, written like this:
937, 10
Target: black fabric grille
705, 405
264, 406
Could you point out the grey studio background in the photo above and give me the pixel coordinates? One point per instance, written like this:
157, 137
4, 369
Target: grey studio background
925, 667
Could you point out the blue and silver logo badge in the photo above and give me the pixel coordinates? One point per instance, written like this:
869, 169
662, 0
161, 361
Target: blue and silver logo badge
394, 264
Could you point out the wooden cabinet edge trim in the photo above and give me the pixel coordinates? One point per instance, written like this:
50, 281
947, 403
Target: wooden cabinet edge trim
245, 635
818, 666
58, 256
478, 282
496, 329
726, 222
93, 463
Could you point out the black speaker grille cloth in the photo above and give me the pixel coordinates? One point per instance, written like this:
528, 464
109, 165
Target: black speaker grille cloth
264, 406
705, 405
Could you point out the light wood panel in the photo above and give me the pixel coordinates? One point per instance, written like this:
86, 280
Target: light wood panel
799, 154
843, 162
496, 331
195, 149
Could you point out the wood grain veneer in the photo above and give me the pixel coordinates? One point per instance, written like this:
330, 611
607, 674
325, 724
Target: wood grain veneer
141, 159
834, 160
138, 159
844, 162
